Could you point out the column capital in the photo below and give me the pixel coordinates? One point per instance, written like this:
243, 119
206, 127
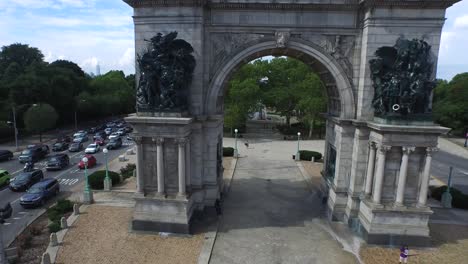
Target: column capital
383, 148
158, 140
431, 150
138, 140
372, 145
181, 141
407, 150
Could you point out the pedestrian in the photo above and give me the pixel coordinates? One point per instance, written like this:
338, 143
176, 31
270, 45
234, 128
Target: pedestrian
404, 253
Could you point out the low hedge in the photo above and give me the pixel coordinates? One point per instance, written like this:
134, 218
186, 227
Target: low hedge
459, 199
56, 212
228, 152
127, 171
96, 179
308, 154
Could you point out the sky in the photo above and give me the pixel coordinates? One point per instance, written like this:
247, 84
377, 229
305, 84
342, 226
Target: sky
91, 32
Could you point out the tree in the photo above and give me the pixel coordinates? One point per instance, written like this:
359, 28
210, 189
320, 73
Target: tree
40, 118
21, 54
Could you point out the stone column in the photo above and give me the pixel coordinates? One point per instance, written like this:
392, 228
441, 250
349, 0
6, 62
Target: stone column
181, 142
370, 168
402, 177
426, 177
188, 165
379, 174
160, 165
139, 165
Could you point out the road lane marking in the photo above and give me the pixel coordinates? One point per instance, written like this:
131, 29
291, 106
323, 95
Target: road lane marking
17, 218
22, 212
6, 223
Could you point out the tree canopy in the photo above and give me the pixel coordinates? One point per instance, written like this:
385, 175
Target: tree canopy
40, 118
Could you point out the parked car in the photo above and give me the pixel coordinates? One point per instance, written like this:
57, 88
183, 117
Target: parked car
99, 141
75, 147
80, 139
110, 124
60, 146
91, 162
92, 148
58, 162
64, 138
6, 155
5, 210
39, 193
92, 130
33, 153
121, 132
4, 177
100, 134
114, 143
25, 180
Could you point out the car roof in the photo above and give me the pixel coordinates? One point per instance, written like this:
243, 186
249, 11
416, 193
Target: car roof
44, 182
4, 151
57, 155
2, 171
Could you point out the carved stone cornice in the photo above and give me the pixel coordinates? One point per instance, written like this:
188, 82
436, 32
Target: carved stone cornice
431, 150
158, 140
383, 148
407, 150
409, 4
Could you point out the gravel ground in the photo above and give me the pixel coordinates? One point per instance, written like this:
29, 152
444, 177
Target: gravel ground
33, 241
101, 235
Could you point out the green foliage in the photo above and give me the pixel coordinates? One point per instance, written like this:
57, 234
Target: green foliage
450, 104
54, 227
39, 118
308, 154
56, 212
459, 199
228, 152
96, 179
64, 206
127, 171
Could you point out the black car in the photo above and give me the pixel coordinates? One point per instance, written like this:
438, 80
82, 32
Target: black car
6, 155
60, 146
33, 153
58, 162
5, 211
100, 134
39, 193
75, 147
64, 138
25, 180
114, 143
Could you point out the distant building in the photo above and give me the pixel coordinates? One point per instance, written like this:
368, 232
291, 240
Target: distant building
98, 70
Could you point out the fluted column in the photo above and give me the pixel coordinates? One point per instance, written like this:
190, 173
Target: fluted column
188, 165
160, 165
181, 142
139, 165
370, 168
426, 177
402, 177
379, 174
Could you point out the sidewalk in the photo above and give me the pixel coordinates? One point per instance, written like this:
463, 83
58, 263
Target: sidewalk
453, 146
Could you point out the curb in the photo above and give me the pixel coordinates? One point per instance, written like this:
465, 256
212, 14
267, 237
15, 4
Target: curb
210, 237
51, 250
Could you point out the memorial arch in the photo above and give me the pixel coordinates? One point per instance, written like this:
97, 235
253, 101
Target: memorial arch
376, 171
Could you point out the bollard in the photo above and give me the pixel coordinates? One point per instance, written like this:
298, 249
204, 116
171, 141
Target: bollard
45, 258
53, 240
313, 159
76, 209
63, 223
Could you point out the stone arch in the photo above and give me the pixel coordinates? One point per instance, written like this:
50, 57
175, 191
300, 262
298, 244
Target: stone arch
339, 89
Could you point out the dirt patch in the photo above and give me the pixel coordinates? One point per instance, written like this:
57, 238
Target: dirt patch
33, 242
101, 235
314, 169
450, 246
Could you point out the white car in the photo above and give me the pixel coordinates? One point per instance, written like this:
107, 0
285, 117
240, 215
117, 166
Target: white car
114, 135
92, 148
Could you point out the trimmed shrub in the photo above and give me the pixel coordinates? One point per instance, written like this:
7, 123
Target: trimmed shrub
96, 180
308, 154
54, 227
228, 152
127, 171
64, 206
459, 199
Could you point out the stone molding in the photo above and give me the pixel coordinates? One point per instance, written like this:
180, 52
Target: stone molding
431, 150
181, 141
383, 148
409, 4
158, 140
408, 150
138, 140
372, 145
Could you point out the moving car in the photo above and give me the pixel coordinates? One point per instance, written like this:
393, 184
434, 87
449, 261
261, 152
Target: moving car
33, 153
5, 210
39, 193
75, 147
91, 162
114, 143
100, 134
128, 129
100, 141
64, 138
121, 132
80, 139
92, 148
58, 162
4, 177
60, 146
25, 180
108, 131
114, 135
6, 155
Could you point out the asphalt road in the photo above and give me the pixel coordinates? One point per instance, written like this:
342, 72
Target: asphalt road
441, 164
68, 178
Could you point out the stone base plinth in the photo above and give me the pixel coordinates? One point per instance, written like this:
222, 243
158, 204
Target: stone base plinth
390, 225
88, 197
155, 214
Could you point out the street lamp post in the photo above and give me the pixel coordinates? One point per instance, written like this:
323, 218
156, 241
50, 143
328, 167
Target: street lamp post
107, 180
88, 193
298, 140
15, 127
236, 151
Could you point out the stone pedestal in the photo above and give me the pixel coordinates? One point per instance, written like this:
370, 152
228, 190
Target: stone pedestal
163, 155
394, 209
88, 197
107, 184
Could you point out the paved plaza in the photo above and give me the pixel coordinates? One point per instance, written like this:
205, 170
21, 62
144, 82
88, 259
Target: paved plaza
270, 214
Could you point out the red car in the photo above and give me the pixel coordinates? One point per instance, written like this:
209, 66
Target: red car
91, 162
99, 141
